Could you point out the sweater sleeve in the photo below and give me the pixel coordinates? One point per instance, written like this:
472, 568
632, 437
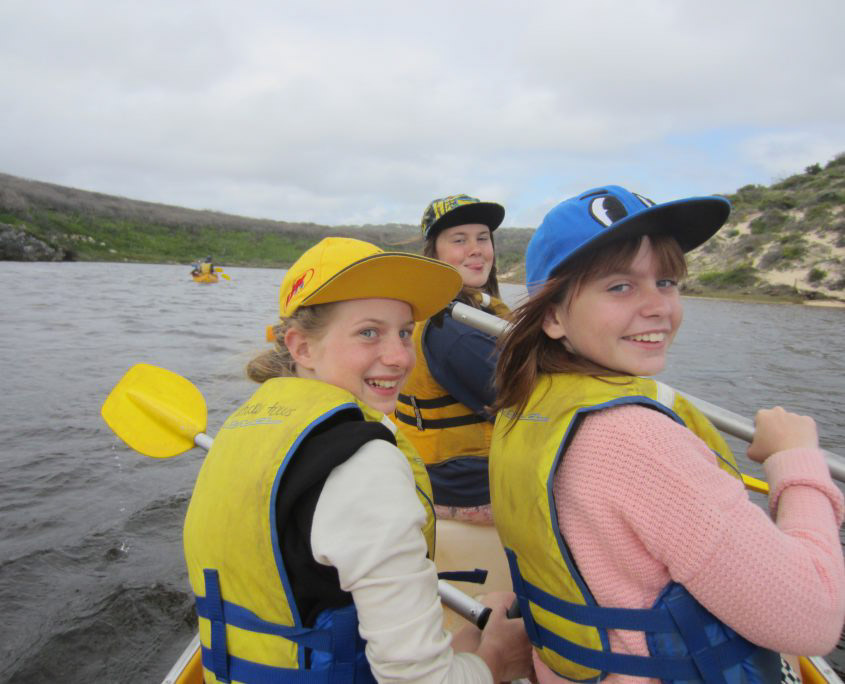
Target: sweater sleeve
780, 584
367, 524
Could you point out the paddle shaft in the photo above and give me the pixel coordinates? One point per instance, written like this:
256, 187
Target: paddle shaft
464, 605
724, 420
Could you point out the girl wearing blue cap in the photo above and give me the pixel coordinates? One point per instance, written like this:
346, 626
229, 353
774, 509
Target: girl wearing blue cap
310, 531
635, 552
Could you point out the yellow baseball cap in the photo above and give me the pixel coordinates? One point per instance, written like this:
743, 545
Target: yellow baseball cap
338, 269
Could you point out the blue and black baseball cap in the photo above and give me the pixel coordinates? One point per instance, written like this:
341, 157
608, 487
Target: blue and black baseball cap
605, 214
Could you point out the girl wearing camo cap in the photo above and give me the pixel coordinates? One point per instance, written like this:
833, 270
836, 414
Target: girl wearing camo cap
310, 531
444, 407
631, 540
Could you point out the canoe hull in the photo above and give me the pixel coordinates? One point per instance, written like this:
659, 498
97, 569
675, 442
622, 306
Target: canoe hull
206, 278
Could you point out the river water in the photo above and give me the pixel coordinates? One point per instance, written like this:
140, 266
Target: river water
92, 582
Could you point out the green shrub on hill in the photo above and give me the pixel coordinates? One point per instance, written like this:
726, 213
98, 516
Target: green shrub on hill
737, 277
838, 160
816, 275
818, 215
769, 222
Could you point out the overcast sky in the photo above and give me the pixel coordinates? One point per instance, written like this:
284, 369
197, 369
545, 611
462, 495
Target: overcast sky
362, 112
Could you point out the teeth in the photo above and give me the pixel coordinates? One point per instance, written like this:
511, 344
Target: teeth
384, 384
649, 337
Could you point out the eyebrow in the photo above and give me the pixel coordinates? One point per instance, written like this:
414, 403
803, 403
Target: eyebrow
379, 321
467, 232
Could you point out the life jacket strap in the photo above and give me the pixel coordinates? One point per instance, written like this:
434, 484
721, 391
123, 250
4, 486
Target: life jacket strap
703, 661
477, 576
436, 402
213, 608
215, 615
340, 641
439, 423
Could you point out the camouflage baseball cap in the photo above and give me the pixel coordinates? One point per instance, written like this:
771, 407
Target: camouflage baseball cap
457, 210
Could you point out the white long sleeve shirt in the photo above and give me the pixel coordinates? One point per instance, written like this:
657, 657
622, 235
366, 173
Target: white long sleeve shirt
368, 525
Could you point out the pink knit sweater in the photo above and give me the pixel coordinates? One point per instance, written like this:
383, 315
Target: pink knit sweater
641, 503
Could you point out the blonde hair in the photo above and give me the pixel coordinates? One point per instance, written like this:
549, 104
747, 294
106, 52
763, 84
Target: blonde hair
278, 362
526, 351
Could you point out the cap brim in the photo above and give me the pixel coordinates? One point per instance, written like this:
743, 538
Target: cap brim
426, 284
487, 214
690, 221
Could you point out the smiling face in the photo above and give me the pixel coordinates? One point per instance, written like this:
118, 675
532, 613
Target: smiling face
624, 321
469, 248
366, 348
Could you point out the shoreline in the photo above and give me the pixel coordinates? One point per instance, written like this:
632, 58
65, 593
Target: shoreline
832, 304
763, 299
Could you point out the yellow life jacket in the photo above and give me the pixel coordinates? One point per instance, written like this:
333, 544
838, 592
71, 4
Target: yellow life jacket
205, 268
438, 425
562, 618
249, 624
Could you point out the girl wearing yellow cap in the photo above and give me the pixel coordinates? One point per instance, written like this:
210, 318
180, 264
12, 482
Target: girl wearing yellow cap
310, 531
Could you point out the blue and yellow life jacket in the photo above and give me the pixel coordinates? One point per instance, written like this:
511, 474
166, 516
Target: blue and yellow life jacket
250, 626
438, 425
566, 625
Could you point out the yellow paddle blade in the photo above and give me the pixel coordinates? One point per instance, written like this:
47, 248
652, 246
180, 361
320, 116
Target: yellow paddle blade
155, 411
755, 485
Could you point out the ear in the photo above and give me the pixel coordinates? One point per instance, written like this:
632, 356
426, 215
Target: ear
553, 323
299, 346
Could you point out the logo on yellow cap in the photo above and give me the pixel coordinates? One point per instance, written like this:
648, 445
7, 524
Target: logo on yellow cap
298, 284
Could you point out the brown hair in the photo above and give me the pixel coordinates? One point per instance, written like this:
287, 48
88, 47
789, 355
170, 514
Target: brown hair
277, 362
526, 351
465, 296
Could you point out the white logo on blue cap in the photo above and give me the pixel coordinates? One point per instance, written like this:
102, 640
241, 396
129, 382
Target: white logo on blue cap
608, 209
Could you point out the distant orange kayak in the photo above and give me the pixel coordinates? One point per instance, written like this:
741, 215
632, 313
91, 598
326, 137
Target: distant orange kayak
206, 278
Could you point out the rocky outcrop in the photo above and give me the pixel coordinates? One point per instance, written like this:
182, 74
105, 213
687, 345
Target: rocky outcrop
18, 245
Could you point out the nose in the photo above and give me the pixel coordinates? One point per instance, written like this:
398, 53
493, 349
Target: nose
398, 352
656, 302
474, 246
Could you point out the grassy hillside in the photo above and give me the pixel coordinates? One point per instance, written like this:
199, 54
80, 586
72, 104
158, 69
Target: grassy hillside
785, 240
90, 226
